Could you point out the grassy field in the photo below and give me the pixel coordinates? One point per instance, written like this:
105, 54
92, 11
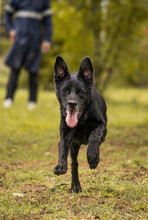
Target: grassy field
117, 189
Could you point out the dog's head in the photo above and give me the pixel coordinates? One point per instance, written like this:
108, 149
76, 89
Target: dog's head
73, 90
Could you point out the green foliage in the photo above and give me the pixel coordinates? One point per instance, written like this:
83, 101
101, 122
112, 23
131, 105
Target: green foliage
70, 40
4, 46
118, 30
113, 33
125, 33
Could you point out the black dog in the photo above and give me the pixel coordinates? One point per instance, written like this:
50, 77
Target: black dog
83, 117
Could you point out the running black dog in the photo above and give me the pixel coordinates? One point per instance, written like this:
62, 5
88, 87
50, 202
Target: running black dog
83, 117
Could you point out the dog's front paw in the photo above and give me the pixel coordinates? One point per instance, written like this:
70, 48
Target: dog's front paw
76, 188
60, 170
93, 165
93, 161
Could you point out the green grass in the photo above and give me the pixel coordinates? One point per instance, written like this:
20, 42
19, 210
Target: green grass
117, 189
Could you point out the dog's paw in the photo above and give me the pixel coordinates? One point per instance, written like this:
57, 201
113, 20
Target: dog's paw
76, 188
60, 170
93, 161
93, 165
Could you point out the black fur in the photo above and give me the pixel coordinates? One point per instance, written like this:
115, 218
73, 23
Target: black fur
83, 117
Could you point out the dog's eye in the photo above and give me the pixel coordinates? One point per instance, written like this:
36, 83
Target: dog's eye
80, 92
66, 90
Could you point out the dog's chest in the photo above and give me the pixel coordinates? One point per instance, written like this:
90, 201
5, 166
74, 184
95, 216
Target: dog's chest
83, 131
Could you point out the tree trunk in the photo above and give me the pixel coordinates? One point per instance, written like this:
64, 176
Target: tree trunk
97, 54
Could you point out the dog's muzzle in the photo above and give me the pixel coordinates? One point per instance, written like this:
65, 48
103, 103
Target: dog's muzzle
72, 114
72, 105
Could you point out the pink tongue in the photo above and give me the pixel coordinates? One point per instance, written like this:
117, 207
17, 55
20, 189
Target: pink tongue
71, 119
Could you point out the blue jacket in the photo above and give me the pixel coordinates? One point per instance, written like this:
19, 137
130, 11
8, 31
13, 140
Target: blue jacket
27, 17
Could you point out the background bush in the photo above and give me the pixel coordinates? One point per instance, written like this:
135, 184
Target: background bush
113, 33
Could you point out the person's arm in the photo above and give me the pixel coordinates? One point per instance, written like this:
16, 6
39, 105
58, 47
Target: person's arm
10, 8
47, 22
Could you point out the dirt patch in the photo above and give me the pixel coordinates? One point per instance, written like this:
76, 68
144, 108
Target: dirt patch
20, 165
134, 174
34, 188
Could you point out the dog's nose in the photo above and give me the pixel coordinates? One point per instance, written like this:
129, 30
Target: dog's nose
72, 104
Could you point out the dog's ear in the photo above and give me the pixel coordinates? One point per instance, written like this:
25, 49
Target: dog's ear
60, 69
86, 70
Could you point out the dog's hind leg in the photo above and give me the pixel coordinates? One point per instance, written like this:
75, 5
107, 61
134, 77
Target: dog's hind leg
75, 184
96, 137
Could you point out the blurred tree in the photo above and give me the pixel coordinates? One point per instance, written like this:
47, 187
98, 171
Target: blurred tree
3, 32
112, 32
70, 40
116, 26
124, 33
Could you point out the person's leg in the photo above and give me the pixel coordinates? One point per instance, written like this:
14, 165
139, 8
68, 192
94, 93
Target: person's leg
33, 90
33, 87
12, 83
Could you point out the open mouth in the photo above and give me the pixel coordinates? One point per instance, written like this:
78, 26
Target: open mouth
72, 118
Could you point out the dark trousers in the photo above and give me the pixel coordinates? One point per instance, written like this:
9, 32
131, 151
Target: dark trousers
13, 81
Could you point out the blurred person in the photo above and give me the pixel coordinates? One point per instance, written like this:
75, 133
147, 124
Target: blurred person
24, 20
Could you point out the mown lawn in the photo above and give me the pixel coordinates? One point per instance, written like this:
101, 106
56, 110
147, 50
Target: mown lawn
117, 189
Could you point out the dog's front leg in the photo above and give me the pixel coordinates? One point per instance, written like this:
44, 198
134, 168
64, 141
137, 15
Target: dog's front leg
96, 137
61, 168
64, 145
75, 183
